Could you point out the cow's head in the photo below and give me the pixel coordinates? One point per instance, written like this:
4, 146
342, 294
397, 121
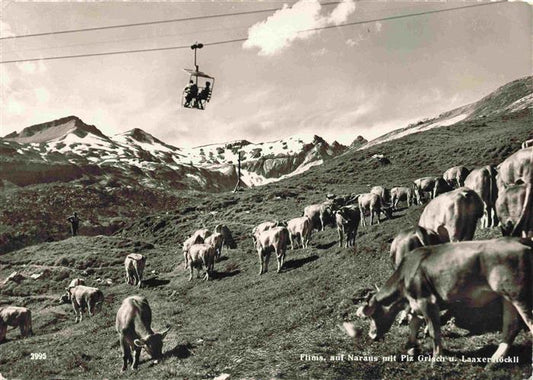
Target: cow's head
153, 344
67, 297
381, 317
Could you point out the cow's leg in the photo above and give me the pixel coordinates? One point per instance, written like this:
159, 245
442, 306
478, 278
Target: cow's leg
510, 329
126, 353
3, 329
279, 256
414, 326
321, 224
340, 237
136, 358
291, 238
76, 308
90, 307
431, 313
191, 270
524, 310
267, 259
260, 254
138, 277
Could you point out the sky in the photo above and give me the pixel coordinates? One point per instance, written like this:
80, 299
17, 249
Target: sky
295, 70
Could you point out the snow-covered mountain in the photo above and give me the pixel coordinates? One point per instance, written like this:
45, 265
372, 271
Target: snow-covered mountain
67, 148
514, 96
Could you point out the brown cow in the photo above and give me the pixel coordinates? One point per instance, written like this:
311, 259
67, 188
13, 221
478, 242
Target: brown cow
300, 229
347, 218
518, 169
458, 277
401, 193
199, 256
187, 244
383, 192
133, 324
274, 239
453, 216
373, 204
85, 297
134, 265
321, 214
423, 185
15, 316
483, 182
455, 176
510, 206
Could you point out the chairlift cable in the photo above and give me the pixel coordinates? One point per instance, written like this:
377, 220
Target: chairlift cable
244, 39
194, 18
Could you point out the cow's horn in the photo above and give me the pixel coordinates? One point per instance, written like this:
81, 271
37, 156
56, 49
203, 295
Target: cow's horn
377, 287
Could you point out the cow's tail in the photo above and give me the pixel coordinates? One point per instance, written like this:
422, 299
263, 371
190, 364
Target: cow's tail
525, 215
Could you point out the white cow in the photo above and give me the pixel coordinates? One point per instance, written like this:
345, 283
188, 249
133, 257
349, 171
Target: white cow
274, 239
133, 324
300, 228
85, 297
15, 316
134, 265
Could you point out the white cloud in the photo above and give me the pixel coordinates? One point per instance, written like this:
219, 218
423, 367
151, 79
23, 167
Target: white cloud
288, 24
341, 12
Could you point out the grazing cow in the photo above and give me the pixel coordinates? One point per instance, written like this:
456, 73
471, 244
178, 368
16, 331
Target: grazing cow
458, 277
398, 194
483, 182
441, 187
299, 228
423, 185
321, 214
527, 144
262, 227
455, 176
85, 297
228, 238
383, 192
347, 219
134, 265
15, 316
509, 206
199, 256
216, 240
518, 169
133, 324
187, 244
65, 298
373, 204
274, 239
408, 240
453, 216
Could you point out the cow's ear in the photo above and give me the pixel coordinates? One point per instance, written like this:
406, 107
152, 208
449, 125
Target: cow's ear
139, 342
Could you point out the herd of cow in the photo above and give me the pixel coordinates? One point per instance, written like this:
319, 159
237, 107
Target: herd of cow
436, 265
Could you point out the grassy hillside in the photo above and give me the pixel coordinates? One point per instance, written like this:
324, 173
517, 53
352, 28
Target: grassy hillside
240, 323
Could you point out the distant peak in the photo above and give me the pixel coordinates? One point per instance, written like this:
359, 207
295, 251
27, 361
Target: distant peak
53, 129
